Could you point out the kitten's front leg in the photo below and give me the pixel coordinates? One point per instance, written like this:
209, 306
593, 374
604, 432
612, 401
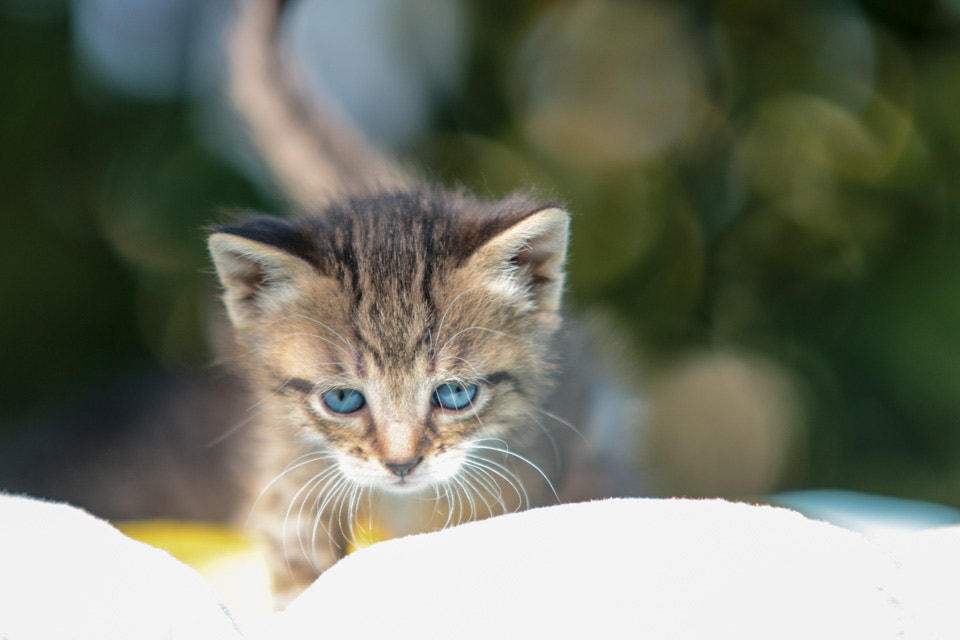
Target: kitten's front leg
302, 543
298, 558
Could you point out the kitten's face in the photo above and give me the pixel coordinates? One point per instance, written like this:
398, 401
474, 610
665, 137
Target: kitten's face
404, 335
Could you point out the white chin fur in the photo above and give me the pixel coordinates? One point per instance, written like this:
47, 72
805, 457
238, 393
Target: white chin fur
407, 486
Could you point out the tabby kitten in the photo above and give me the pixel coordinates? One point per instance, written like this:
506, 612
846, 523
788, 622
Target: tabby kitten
399, 341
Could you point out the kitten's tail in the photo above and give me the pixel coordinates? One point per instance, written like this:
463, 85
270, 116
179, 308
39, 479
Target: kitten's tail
313, 154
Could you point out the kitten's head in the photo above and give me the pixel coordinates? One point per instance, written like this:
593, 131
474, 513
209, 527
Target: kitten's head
402, 333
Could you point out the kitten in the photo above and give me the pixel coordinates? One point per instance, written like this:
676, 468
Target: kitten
402, 346
400, 341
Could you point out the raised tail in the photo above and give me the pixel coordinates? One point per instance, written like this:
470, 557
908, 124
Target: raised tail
313, 154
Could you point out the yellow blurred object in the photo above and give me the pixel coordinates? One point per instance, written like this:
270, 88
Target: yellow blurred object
364, 536
234, 562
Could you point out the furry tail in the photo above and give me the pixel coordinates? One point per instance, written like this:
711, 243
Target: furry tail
313, 155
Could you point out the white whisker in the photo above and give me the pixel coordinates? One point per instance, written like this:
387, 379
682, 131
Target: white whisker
447, 310
353, 506
254, 409
476, 328
499, 470
553, 441
330, 329
563, 422
302, 461
334, 479
305, 487
486, 481
521, 458
307, 334
278, 389
463, 497
469, 492
468, 479
317, 322
466, 362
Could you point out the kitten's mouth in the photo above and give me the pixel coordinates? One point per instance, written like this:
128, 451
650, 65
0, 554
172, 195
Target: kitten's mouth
407, 477
407, 484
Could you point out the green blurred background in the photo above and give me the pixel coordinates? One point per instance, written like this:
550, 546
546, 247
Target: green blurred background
764, 195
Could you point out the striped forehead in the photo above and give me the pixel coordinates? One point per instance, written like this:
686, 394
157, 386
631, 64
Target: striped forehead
394, 316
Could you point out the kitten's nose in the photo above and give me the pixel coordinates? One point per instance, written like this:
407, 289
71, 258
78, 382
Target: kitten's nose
403, 468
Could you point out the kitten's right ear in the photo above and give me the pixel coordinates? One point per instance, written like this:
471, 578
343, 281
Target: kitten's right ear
525, 260
257, 278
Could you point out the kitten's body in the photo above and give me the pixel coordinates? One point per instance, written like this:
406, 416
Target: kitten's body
394, 293
395, 296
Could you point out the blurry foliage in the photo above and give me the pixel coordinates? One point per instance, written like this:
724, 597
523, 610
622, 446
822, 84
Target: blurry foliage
769, 178
103, 200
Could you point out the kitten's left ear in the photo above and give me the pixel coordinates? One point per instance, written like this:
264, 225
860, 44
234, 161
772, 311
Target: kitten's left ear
527, 257
257, 277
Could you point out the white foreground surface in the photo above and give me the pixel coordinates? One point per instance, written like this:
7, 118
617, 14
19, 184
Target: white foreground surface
640, 568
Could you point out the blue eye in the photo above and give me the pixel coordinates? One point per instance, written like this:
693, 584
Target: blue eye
454, 395
343, 400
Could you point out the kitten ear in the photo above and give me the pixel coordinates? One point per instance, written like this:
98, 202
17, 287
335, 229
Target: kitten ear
527, 258
257, 277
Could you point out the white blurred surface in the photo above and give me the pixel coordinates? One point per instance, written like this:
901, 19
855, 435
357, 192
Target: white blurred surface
645, 568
